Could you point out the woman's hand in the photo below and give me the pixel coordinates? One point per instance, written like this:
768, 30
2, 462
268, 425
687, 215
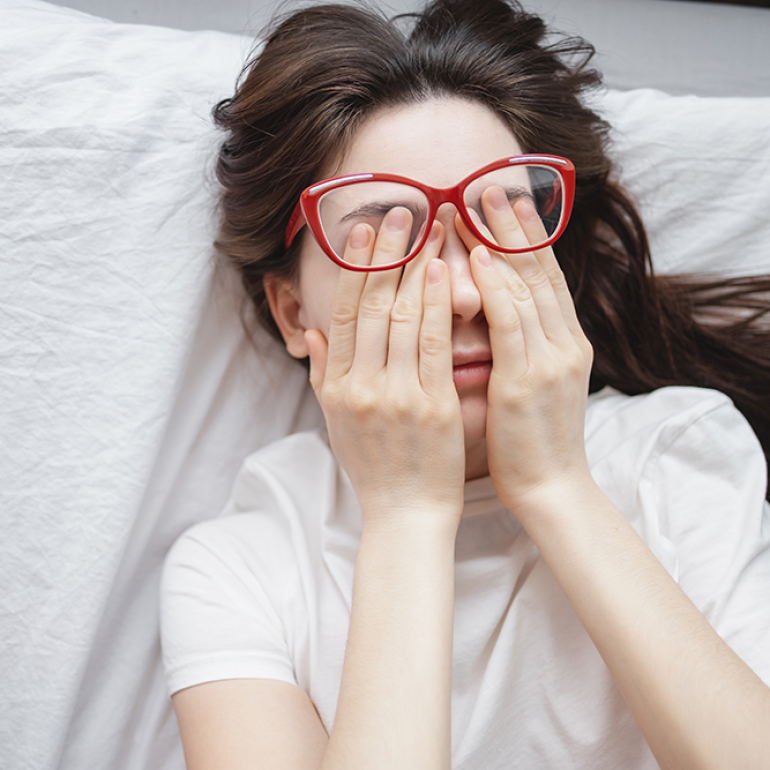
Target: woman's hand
384, 378
541, 359
696, 702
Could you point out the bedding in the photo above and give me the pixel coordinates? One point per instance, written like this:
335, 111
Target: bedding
130, 390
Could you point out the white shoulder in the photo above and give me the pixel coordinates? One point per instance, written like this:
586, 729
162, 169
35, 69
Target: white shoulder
613, 418
686, 469
230, 603
673, 441
298, 462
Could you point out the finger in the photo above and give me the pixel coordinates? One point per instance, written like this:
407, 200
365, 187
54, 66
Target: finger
509, 232
379, 292
534, 229
509, 353
344, 314
407, 313
435, 359
501, 221
470, 239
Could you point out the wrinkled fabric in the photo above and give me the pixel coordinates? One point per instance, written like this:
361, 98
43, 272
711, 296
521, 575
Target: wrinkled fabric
265, 591
129, 394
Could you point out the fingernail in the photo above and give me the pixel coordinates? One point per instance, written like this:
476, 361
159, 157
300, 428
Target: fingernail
359, 236
499, 199
396, 219
526, 211
434, 231
434, 271
483, 256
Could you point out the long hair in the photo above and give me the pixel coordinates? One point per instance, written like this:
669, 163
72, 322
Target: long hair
324, 70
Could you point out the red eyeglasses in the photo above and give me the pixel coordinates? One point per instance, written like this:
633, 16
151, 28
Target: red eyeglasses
331, 208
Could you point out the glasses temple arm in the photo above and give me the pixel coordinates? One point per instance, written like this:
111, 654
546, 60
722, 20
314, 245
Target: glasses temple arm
296, 223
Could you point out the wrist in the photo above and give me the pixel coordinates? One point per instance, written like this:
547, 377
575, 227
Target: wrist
547, 504
432, 521
407, 507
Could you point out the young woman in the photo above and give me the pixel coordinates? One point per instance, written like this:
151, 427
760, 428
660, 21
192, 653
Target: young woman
478, 564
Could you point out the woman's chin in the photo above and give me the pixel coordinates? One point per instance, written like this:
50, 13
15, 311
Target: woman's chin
474, 412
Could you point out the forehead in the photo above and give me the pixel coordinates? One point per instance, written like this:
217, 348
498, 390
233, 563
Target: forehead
437, 142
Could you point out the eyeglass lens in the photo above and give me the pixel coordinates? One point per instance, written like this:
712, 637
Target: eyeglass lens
369, 201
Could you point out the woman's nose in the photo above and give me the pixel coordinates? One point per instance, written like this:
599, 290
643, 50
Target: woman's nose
466, 300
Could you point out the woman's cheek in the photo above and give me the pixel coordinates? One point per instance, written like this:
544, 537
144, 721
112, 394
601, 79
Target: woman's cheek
317, 287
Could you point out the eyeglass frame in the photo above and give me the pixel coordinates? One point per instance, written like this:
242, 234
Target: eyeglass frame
306, 210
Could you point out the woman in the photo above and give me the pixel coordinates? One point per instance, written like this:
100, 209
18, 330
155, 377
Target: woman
479, 565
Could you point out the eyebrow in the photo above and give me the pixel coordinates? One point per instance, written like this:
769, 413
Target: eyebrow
380, 209
516, 192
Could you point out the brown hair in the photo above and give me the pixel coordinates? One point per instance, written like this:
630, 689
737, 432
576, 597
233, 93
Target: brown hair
326, 69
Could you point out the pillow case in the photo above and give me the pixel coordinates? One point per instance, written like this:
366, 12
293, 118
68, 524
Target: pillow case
698, 166
130, 392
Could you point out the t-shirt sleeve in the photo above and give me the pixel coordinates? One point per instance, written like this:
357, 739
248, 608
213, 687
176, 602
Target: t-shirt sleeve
705, 481
222, 609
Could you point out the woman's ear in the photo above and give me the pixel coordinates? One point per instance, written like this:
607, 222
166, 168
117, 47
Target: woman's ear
283, 298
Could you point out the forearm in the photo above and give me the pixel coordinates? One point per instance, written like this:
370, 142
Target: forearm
697, 704
394, 703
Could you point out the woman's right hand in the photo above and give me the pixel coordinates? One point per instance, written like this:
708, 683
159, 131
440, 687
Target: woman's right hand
384, 379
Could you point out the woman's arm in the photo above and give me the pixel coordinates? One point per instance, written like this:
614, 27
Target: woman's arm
394, 703
244, 724
385, 384
393, 708
384, 381
697, 704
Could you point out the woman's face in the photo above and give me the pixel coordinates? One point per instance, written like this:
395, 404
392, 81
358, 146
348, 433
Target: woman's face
437, 142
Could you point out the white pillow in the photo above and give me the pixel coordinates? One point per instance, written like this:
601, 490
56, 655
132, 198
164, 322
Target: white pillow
700, 169
130, 396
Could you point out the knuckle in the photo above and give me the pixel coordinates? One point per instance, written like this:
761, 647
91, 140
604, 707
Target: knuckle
551, 375
344, 312
507, 326
576, 366
404, 311
398, 405
534, 276
580, 356
518, 289
330, 398
438, 417
556, 277
518, 393
375, 305
431, 342
360, 400
331, 389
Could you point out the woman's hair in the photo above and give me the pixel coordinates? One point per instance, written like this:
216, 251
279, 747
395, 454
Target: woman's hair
326, 69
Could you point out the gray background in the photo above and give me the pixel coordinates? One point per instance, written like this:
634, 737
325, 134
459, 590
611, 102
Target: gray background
679, 47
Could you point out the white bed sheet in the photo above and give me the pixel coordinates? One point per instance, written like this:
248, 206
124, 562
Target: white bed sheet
130, 395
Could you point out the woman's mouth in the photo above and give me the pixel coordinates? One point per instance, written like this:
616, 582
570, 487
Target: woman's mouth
471, 373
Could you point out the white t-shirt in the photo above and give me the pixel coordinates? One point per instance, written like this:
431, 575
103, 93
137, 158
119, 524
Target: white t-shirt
265, 590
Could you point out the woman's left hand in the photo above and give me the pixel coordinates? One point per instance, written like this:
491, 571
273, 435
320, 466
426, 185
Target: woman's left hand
541, 359
696, 702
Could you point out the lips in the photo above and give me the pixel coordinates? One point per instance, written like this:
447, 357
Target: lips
471, 368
